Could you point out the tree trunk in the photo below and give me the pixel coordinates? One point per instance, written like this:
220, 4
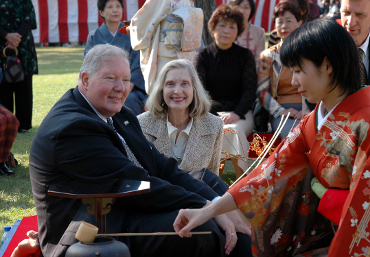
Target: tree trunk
208, 6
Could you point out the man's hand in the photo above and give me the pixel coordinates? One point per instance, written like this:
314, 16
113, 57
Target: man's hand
28, 247
227, 225
13, 39
188, 219
230, 118
241, 225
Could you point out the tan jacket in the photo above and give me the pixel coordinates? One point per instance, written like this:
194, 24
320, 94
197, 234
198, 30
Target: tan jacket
203, 149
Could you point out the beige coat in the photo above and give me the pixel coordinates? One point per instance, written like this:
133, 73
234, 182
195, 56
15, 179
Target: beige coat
203, 149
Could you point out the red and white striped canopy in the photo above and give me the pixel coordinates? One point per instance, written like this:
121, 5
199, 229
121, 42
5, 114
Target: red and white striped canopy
72, 20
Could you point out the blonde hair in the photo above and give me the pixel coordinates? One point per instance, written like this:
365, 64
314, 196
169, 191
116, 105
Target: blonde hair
201, 103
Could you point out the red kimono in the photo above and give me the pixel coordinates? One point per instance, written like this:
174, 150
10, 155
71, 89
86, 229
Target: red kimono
278, 199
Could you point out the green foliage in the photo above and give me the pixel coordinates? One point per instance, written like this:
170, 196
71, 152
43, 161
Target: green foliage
229, 173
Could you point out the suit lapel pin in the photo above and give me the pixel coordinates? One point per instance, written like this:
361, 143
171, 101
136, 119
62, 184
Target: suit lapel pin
126, 122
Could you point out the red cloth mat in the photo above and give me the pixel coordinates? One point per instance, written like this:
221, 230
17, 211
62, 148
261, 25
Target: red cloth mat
18, 233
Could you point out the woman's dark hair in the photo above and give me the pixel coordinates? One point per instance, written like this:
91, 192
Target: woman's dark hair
102, 3
305, 9
251, 3
322, 38
290, 6
228, 13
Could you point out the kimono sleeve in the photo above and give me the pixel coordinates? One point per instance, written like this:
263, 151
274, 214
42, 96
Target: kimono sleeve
263, 190
352, 236
145, 22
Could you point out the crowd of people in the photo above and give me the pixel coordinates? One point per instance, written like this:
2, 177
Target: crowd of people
153, 103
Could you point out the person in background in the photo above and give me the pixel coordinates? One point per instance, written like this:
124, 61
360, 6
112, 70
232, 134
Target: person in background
111, 12
334, 11
17, 20
274, 39
178, 121
274, 90
228, 73
314, 12
163, 31
332, 143
253, 37
8, 131
355, 17
325, 7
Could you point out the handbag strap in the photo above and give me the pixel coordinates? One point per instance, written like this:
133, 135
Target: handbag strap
16, 51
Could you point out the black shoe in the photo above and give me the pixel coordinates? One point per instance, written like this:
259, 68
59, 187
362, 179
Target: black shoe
2, 173
5, 170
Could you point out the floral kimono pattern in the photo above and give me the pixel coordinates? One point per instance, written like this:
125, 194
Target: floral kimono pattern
160, 40
277, 197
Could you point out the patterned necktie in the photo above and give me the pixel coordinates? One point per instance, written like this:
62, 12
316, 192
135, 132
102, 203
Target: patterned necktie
130, 154
363, 73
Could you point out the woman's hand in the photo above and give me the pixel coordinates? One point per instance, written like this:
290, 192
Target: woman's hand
128, 30
13, 39
230, 118
292, 111
187, 219
239, 223
298, 116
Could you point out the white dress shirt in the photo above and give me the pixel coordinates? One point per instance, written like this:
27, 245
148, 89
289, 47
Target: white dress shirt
178, 146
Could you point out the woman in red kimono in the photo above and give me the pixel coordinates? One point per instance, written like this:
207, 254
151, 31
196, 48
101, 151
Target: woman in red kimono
331, 144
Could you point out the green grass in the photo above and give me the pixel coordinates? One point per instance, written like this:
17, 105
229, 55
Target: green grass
58, 71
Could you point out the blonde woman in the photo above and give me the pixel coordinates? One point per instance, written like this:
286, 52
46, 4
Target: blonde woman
178, 122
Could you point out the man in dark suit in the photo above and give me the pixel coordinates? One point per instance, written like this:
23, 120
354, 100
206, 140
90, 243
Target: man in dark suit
78, 142
355, 18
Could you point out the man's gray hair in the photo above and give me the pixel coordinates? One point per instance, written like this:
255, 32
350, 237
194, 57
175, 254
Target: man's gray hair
99, 53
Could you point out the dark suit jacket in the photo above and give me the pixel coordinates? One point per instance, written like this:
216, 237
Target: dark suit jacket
73, 144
